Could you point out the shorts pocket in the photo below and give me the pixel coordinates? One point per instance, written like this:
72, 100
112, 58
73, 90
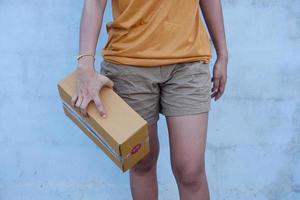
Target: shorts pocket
109, 69
201, 75
200, 67
112, 69
125, 77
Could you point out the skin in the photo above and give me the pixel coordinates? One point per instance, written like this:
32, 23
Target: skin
187, 153
213, 16
89, 82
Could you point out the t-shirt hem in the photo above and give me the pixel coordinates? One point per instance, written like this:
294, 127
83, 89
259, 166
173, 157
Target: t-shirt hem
147, 62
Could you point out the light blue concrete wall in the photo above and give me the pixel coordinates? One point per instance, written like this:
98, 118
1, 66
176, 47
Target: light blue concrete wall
253, 149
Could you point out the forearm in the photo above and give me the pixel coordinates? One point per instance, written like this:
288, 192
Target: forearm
213, 16
90, 26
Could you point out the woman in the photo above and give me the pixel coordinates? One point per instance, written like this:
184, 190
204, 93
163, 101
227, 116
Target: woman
157, 59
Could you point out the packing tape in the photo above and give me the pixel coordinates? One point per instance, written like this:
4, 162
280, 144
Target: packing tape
98, 136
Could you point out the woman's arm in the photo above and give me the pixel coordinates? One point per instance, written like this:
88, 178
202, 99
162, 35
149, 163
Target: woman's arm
88, 81
213, 16
90, 26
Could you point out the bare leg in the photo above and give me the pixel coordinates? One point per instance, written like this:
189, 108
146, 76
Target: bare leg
187, 135
143, 177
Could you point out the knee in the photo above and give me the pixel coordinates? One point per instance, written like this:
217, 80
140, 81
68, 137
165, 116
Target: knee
190, 175
146, 164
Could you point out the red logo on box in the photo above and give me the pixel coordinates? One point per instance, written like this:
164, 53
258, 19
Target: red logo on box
136, 148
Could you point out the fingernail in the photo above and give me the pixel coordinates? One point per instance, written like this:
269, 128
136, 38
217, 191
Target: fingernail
104, 115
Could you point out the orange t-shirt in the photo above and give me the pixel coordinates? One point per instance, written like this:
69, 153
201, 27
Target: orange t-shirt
156, 32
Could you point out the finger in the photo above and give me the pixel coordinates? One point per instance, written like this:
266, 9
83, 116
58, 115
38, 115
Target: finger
99, 106
78, 102
221, 89
108, 82
222, 85
214, 94
74, 98
218, 95
216, 84
83, 106
215, 87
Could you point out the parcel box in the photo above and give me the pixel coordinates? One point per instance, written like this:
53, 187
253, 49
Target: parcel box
122, 135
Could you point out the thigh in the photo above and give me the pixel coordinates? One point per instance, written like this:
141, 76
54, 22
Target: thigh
134, 86
187, 136
187, 91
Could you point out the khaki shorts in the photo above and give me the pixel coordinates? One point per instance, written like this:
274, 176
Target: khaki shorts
172, 90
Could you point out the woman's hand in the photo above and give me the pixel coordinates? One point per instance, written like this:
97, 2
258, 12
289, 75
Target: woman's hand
88, 86
219, 78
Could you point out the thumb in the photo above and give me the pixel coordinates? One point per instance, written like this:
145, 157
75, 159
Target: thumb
109, 83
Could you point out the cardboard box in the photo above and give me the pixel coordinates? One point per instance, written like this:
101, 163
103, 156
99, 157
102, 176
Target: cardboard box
122, 135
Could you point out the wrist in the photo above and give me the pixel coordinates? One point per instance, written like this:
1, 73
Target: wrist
222, 55
86, 64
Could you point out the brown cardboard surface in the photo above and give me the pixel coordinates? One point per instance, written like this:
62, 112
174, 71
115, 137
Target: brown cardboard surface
122, 135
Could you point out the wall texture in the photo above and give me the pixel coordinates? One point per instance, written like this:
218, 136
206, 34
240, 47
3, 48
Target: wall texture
253, 149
